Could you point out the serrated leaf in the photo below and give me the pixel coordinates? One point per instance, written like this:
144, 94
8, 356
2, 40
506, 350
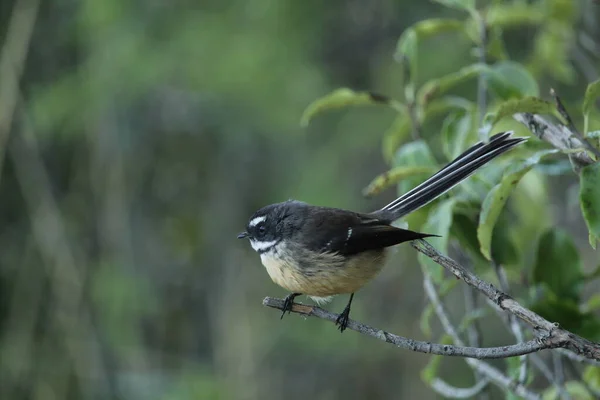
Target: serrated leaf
558, 265
340, 98
456, 130
508, 79
438, 222
467, 5
436, 87
497, 197
589, 197
395, 175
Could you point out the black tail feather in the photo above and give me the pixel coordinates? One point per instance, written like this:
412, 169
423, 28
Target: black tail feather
456, 171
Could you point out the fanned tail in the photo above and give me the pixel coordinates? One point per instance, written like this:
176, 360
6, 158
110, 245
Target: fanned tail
452, 174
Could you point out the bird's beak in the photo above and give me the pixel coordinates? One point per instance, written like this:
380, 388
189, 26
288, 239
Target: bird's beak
243, 235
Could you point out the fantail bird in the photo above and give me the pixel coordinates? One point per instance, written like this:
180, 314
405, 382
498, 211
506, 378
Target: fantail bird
322, 251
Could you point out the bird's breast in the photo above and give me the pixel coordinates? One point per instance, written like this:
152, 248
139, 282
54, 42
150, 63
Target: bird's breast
321, 274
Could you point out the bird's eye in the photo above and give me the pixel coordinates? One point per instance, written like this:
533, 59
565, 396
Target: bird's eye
261, 229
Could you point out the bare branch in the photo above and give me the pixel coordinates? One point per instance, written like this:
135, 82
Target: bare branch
513, 323
452, 392
547, 332
559, 374
411, 344
537, 361
578, 358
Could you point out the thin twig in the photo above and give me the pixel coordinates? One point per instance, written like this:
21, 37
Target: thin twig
501, 380
559, 374
595, 394
410, 344
12, 63
514, 324
578, 358
548, 374
452, 392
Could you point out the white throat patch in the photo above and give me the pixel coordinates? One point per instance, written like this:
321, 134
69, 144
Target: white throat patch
262, 246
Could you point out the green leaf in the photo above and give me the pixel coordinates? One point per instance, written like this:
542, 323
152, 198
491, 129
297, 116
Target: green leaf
344, 97
407, 54
395, 135
592, 304
467, 5
497, 197
456, 132
591, 375
508, 79
395, 175
514, 14
438, 223
591, 95
589, 198
566, 312
558, 265
425, 320
414, 154
436, 87
552, 52
436, 26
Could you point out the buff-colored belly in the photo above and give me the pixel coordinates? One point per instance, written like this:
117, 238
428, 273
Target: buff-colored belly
324, 275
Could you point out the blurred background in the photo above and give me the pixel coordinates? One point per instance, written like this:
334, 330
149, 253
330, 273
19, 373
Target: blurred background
136, 139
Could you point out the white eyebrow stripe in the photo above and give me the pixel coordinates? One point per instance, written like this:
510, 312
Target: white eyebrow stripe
260, 246
257, 220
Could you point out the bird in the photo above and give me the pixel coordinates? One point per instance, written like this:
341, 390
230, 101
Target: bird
321, 251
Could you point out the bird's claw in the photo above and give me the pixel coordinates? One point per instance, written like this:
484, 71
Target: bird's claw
343, 319
288, 302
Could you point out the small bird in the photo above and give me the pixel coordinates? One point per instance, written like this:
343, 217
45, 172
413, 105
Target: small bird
321, 251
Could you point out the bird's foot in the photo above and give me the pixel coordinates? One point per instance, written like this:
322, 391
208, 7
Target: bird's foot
342, 319
288, 302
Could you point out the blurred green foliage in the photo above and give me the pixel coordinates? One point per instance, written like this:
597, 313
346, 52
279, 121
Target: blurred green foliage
146, 133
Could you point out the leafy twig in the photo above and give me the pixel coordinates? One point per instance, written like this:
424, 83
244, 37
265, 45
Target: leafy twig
558, 135
563, 111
